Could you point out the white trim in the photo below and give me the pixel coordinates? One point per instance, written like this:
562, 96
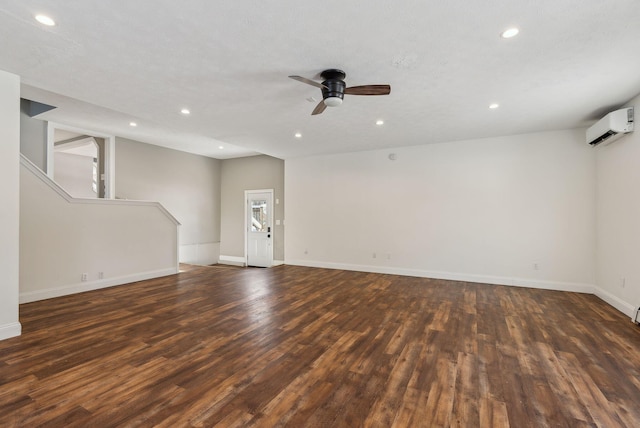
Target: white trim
60, 191
178, 249
109, 167
205, 253
51, 127
453, 276
258, 191
614, 301
32, 296
10, 330
239, 261
58, 125
232, 260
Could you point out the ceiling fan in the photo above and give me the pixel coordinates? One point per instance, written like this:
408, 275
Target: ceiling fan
334, 89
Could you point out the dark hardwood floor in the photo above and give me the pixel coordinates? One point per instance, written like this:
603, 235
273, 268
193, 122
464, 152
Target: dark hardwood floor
304, 347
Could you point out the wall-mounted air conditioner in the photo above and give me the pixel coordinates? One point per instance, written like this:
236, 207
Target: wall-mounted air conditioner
611, 127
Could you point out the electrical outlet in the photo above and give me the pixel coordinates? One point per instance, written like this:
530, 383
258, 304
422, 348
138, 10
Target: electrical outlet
100, 275
84, 277
306, 251
374, 255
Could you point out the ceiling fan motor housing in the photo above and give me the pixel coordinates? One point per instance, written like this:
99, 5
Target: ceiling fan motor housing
334, 82
335, 89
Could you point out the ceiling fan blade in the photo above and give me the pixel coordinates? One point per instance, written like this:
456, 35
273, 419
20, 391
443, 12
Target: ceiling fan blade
368, 90
308, 81
319, 108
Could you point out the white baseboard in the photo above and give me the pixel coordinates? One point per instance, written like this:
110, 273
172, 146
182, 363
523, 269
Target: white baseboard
232, 260
240, 261
32, 296
10, 330
614, 301
199, 254
452, 276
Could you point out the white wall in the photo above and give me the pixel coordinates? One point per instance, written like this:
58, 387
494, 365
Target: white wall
9, 208
74, 173
187, 185
62, 238
480, 210
618, 220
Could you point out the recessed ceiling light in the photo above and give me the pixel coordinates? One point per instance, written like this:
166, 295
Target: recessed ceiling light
494, 106
509, 33
185, 111
45, 20
221, 147
379, 122
133, 124
298, 135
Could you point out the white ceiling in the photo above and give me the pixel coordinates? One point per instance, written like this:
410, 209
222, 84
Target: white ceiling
107, 63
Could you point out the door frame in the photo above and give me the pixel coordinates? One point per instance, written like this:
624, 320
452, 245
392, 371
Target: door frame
246, 224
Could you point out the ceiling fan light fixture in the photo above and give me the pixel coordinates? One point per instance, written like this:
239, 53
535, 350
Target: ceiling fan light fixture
332, 101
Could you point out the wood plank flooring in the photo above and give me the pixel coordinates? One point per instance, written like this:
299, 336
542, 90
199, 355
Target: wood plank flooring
304, 347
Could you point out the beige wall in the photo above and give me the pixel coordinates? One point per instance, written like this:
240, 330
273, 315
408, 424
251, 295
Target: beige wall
516, 210
618, 220
185, 184
112, 242
74, 173
250, 173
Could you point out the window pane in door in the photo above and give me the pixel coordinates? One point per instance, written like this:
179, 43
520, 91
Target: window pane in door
258, 215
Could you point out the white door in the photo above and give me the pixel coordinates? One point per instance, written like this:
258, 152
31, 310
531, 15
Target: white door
259, 215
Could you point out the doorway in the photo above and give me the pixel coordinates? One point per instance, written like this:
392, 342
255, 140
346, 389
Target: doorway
77, 164
73, 143
259, 227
